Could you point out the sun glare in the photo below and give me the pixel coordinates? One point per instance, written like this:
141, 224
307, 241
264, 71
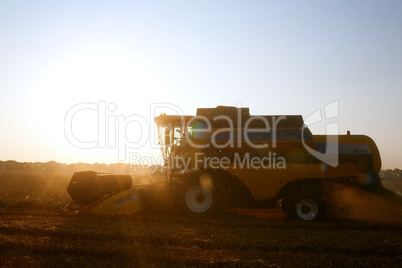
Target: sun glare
90, 76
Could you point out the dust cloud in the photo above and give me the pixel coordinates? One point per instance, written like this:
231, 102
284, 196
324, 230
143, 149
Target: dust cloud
357, 204
153, 190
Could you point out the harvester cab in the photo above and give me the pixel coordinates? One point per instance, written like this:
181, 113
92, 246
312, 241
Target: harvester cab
172, 133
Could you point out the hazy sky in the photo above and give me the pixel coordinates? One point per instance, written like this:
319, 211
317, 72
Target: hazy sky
120, 57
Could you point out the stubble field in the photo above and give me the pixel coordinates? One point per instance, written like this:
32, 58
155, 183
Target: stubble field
33, 233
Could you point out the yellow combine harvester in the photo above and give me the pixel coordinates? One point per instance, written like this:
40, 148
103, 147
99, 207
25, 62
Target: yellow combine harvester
224, 157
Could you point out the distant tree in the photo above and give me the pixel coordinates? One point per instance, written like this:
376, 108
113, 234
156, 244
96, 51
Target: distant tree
99, 167
12, 165
38, 166
51, 166
79, 167
121, 168
28, 166
389, 174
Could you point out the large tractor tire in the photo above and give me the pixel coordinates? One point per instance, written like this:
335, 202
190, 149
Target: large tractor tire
305, 206
204, 195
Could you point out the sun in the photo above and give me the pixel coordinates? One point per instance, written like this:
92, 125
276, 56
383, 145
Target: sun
92, 76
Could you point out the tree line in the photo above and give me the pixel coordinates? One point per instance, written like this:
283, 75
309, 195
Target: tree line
391, 174
122, 168
53, 166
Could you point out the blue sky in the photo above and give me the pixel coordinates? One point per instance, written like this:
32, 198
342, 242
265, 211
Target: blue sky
276, 57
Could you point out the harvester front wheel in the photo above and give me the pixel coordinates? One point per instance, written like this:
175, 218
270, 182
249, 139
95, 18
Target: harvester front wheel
199, 199
204, 197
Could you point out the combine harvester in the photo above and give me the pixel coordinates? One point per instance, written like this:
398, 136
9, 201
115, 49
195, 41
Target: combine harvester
224, 157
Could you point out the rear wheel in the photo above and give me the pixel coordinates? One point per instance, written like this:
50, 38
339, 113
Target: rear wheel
306, 207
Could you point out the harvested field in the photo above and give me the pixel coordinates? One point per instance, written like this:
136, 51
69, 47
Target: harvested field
33, 233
